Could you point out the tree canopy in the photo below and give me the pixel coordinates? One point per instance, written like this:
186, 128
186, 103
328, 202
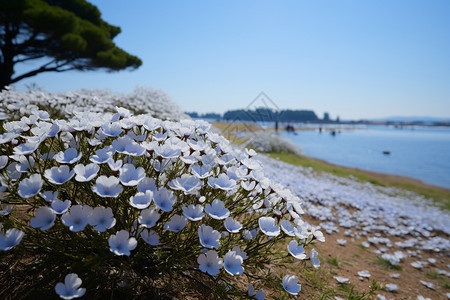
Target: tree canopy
267, 115
62, 35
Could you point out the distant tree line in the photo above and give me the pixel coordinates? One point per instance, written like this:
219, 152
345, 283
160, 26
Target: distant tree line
210, 115
261, 115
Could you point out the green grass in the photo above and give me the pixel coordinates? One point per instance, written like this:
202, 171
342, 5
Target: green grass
333, 261
362, 246
433, 275
440, 196
351, 294
386, 264
443, 281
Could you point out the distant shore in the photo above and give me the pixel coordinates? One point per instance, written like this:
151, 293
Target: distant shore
439, 194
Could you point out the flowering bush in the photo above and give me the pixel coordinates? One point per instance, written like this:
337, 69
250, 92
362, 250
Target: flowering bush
264, 141
120, 201
14, 105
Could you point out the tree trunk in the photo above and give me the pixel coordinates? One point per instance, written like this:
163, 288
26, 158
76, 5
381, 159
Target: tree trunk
7, 64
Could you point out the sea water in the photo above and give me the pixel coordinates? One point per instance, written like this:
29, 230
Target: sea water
419, 152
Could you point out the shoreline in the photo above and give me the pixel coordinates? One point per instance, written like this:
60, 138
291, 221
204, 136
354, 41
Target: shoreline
439, 194
385, 175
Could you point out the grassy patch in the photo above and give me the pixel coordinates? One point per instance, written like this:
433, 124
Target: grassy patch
440, 196
333, 261
236, 127
386, 264
350, 293
443, 281
362, 246
433, 275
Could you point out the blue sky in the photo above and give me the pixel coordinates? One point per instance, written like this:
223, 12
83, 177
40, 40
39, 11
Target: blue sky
353, 59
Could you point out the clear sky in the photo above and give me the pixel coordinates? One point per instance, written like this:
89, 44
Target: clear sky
353, 59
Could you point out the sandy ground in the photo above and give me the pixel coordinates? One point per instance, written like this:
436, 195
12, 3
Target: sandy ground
374, 214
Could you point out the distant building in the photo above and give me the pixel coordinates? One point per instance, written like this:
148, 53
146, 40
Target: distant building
326, 116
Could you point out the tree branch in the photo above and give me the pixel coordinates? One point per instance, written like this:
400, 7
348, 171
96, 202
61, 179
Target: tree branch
45, 68
28, 58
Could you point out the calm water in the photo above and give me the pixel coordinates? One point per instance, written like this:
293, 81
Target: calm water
421, 153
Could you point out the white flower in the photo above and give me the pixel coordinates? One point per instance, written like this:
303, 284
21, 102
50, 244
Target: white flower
49, 196
232, 262
150, 147
419, 264
25, 163
391, 287
237, 173
365, 244
209, 237
432, 260
3, 161
146, 184
86, 173
223, 182
121, 243
232, 225
251, 292
427, 284
168, 150
44, 218
176, 223
165, 199
101, 155
120, 143
341, 242
70, 288
291, 285
6, 211
210, 263
287, 227
238, 251
150, 238
77, 218
251, 164
187, 183
59, 175
107, 186
29, 187
114, 165
268, 226
313, 257
12, 172
249, 234
217, 210
111, 129
133, 149
200, 171
149, 217
193, 212
364, 273
296, 250
319, 235
10, 239
248, 185
69, 156
102, 218
27, 148
341, 279
141, 200
60, 207
130, 176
